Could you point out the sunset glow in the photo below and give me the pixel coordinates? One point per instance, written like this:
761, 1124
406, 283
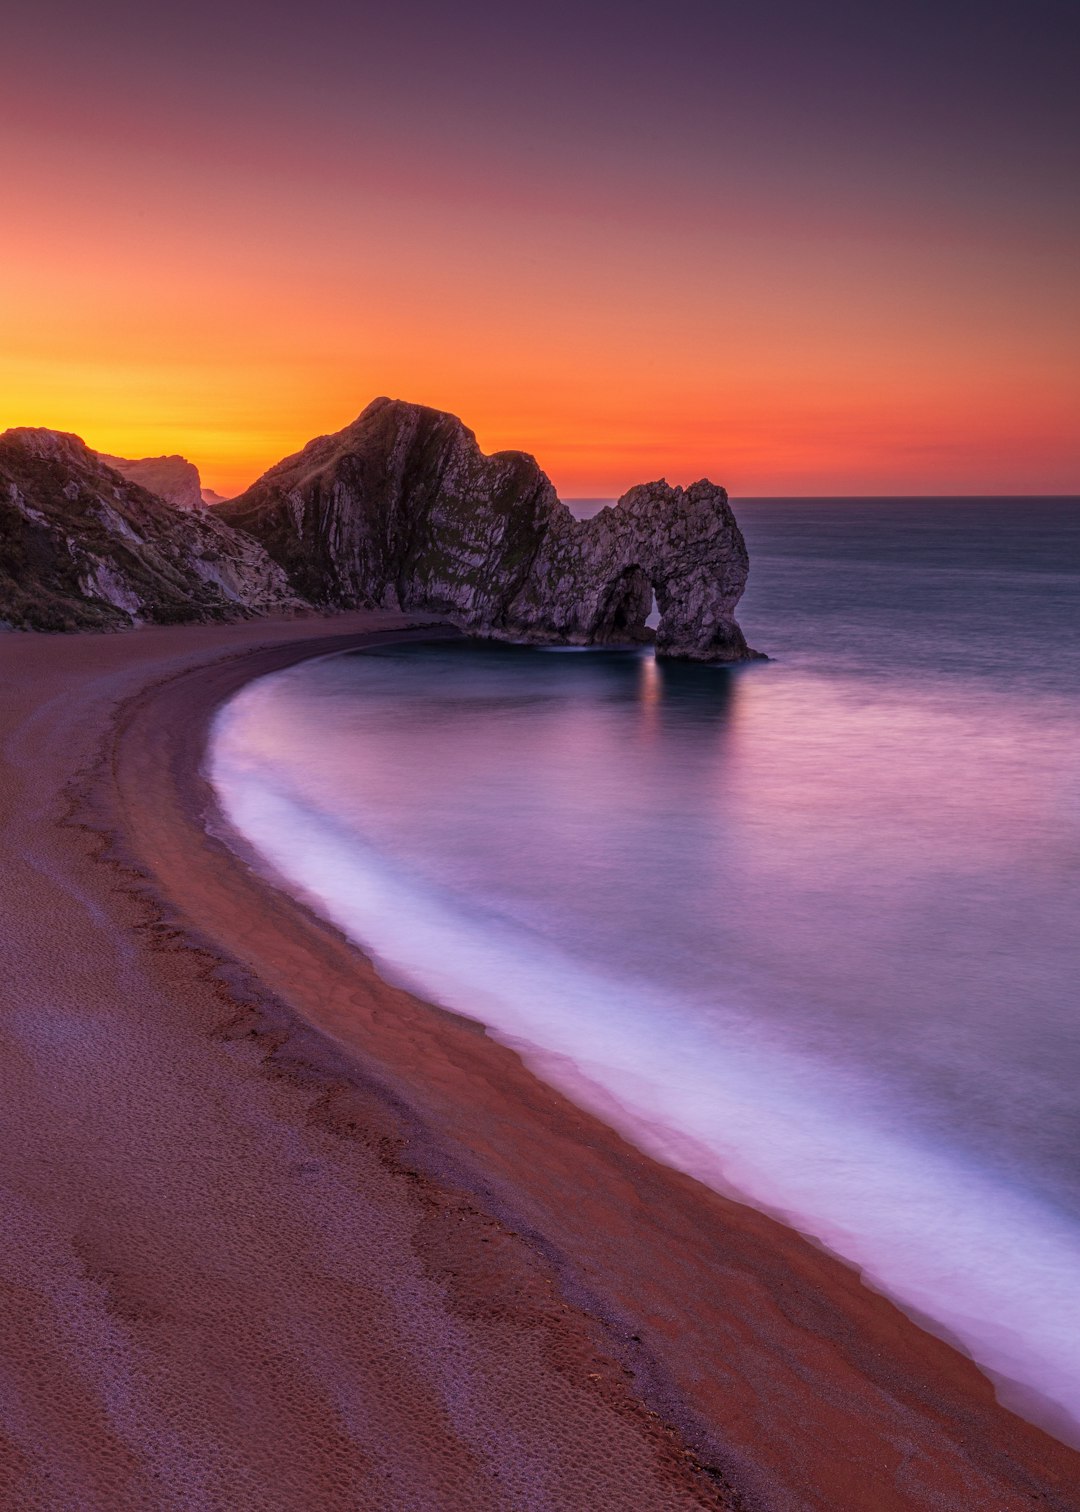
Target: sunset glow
222, 246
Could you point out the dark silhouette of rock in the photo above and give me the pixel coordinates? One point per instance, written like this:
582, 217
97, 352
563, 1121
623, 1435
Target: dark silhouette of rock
403, 508
174, 479
81, 547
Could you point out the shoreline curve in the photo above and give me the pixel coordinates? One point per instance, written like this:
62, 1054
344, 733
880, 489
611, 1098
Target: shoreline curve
675, 1347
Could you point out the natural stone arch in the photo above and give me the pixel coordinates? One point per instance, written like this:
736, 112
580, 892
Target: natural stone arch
403, 506
624, 607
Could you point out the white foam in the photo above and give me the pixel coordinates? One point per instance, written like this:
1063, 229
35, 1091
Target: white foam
991, 1267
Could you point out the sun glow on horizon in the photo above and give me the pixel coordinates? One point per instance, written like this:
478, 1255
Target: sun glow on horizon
742, 285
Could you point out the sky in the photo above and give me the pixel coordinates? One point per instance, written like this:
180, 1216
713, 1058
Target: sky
799, 248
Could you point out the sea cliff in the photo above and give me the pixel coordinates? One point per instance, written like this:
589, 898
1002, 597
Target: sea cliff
401, 509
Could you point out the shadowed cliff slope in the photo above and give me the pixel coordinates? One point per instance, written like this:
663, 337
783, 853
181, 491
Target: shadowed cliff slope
81, 547
403, 508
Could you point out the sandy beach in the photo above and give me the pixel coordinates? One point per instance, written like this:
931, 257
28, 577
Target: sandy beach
279, 1235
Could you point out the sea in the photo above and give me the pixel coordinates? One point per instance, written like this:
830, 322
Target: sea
805, 928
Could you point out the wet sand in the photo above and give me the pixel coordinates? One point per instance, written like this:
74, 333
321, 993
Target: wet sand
278, 1235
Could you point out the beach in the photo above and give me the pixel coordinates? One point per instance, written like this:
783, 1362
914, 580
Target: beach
281, 1235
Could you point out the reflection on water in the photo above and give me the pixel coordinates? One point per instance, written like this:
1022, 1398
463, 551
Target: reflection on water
650, 691
804, 928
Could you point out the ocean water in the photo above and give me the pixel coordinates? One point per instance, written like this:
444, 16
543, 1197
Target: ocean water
806, 928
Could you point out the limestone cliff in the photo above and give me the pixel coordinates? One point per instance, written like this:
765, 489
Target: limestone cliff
174, 479
81, 547
593, 581
403, 508
400, 508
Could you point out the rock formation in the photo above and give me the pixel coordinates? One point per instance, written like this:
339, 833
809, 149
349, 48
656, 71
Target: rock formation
174, 479
81, 547
209, 496
592, 582
403, 508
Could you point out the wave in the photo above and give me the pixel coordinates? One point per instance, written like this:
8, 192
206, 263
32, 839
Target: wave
981, 1262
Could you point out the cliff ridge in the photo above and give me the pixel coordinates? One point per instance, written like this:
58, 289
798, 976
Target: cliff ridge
82, 547
403, 509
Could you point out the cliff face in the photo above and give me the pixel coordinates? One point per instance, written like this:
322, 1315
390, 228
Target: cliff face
593, 581
174, 479
403, 508
399, 509
81, 547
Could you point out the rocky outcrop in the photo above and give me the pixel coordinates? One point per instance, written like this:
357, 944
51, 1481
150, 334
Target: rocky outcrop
593, 582
403, 508
174, 479
82, 547
210, 496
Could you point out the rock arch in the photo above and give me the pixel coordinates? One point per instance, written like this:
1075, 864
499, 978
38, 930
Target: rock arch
403, 507
624, 607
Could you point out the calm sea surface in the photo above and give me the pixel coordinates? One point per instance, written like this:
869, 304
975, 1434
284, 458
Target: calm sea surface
807, 929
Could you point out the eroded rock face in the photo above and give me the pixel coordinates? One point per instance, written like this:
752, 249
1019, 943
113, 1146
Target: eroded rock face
403, 508
593, 581
174, 479
81, 547
399, 509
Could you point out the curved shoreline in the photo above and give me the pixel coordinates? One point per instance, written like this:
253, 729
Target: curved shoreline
734, 1363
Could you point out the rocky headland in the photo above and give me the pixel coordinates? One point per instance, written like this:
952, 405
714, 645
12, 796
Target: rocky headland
174, 479
83, 548
401, 509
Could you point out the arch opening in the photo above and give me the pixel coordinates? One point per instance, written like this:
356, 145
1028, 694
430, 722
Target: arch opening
625, 607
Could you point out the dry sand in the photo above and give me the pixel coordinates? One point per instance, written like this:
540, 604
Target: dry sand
278, 1235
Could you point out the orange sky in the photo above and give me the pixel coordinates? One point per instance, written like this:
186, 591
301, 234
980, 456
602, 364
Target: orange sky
195, 285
